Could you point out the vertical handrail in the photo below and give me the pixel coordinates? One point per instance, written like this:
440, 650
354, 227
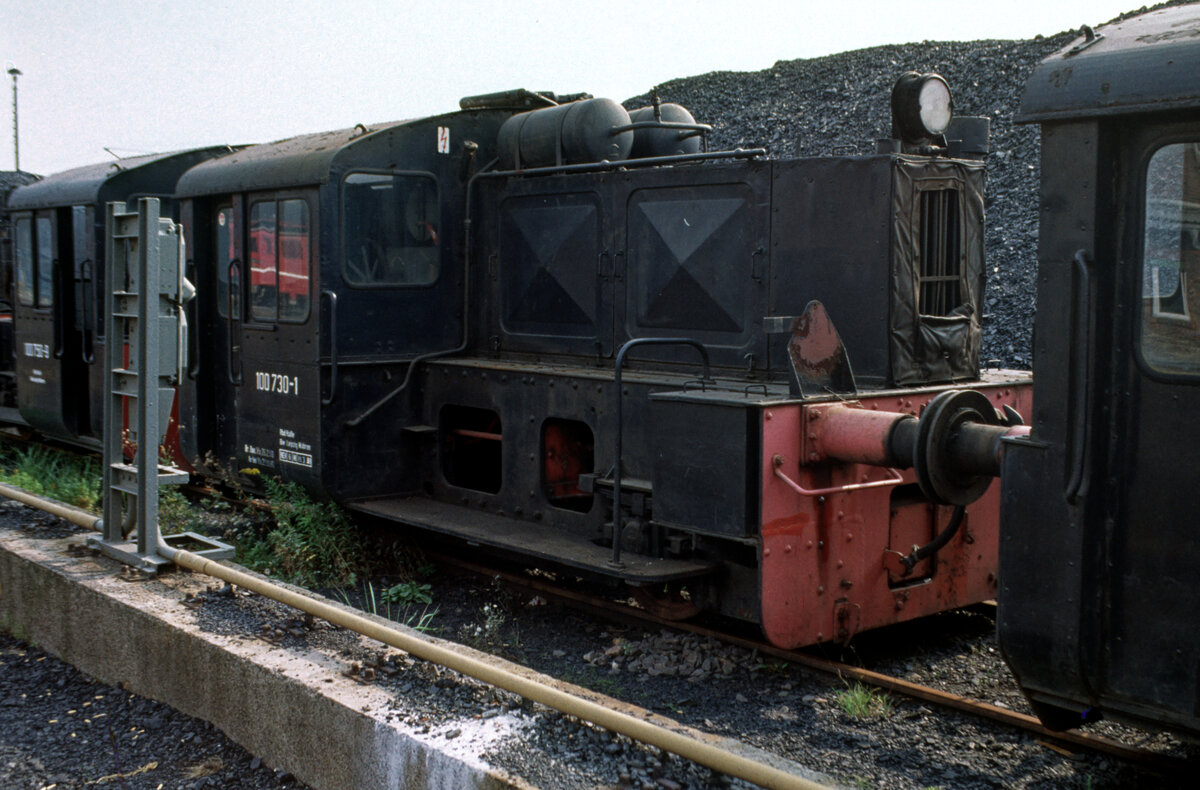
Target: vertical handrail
234, 302
332, 346
87, 294
56, 307
1081, 347
637, 341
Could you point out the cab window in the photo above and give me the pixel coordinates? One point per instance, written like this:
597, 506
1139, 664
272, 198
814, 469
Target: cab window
33, 253
390, 229
23, 252
1170, 281
278, 247
45, 262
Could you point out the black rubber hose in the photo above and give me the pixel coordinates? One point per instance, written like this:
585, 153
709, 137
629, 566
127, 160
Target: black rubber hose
935, 545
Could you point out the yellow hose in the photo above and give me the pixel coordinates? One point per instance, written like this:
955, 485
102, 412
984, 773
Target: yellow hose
680, 743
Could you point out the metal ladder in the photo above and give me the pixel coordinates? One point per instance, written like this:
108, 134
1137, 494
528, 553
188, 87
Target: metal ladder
144, 359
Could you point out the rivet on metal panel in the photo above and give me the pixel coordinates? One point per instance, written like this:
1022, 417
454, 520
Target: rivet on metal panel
846, 583
841, 564
820, 591
841, 514
768, 415
809, 544
532, 494
813, 456
849, 536
766, 552
812, 437
813, 415
787, 549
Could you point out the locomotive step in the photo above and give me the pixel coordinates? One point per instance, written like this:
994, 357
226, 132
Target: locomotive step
557, 545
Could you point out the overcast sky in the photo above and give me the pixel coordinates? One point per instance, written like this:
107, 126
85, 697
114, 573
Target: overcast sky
138, 76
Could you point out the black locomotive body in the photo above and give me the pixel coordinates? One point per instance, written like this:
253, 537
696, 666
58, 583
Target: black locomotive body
1099, 554
426, 321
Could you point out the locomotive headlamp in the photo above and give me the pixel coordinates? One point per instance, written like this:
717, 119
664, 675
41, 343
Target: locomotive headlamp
921, 107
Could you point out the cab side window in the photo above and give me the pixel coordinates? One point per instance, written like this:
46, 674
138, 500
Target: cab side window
23, 253
33, 253
279, 251
390, 231
1170, 281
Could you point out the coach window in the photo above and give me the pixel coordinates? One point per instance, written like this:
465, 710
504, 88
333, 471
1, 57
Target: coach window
390, 229
1170, 281
24, 259
279, 260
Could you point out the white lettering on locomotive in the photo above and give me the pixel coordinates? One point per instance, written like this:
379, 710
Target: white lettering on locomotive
277, 383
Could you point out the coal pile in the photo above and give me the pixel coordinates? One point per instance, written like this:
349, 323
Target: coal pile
839, 105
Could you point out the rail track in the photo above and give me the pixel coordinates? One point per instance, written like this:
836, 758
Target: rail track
632, 615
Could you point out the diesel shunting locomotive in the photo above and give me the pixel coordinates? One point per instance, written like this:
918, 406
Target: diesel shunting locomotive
573, 334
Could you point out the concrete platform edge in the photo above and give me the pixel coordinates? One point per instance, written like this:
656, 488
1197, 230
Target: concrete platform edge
275, 704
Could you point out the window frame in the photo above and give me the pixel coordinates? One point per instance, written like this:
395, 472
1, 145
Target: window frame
246, 308
342, 217
30, 268
1148, 142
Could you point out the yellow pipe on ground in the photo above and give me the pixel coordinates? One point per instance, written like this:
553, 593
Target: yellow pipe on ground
679, 743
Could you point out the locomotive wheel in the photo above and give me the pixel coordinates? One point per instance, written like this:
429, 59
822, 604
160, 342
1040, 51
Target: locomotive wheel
665, 601
945, 414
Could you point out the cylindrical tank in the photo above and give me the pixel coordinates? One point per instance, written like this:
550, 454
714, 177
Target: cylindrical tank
663, 142
583, 131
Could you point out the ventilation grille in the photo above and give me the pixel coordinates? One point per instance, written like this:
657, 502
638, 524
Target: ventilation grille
941, 253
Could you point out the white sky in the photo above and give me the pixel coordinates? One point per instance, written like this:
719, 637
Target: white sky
139, 76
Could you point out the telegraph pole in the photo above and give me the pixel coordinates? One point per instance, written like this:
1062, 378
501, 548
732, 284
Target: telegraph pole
14, 72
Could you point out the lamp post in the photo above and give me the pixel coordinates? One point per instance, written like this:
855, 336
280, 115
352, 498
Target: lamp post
14, 72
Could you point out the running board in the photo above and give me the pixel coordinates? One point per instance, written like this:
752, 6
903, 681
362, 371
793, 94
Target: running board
528, 539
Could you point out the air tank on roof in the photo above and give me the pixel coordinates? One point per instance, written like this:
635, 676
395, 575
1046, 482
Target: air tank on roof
664, 141
575, 133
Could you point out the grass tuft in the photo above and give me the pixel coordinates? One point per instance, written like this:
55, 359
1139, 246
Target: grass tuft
864, 702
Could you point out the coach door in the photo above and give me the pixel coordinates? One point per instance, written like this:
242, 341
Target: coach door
265, 273
1155, 463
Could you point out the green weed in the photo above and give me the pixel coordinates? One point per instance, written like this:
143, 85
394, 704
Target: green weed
313, 544
56, 474
864, 702
411, 592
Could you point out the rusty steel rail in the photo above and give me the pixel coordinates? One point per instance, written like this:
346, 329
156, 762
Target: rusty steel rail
605, 608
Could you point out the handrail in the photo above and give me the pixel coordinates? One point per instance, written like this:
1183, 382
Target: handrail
332, 346
87, 296
895, 478
235, 265
1081, 354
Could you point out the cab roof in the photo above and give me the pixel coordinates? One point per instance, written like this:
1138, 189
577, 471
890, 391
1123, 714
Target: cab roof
84, 184
296, 161
1145, 63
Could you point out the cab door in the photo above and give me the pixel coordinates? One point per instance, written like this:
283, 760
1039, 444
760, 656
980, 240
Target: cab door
39, 339
1151, 497
272, 337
